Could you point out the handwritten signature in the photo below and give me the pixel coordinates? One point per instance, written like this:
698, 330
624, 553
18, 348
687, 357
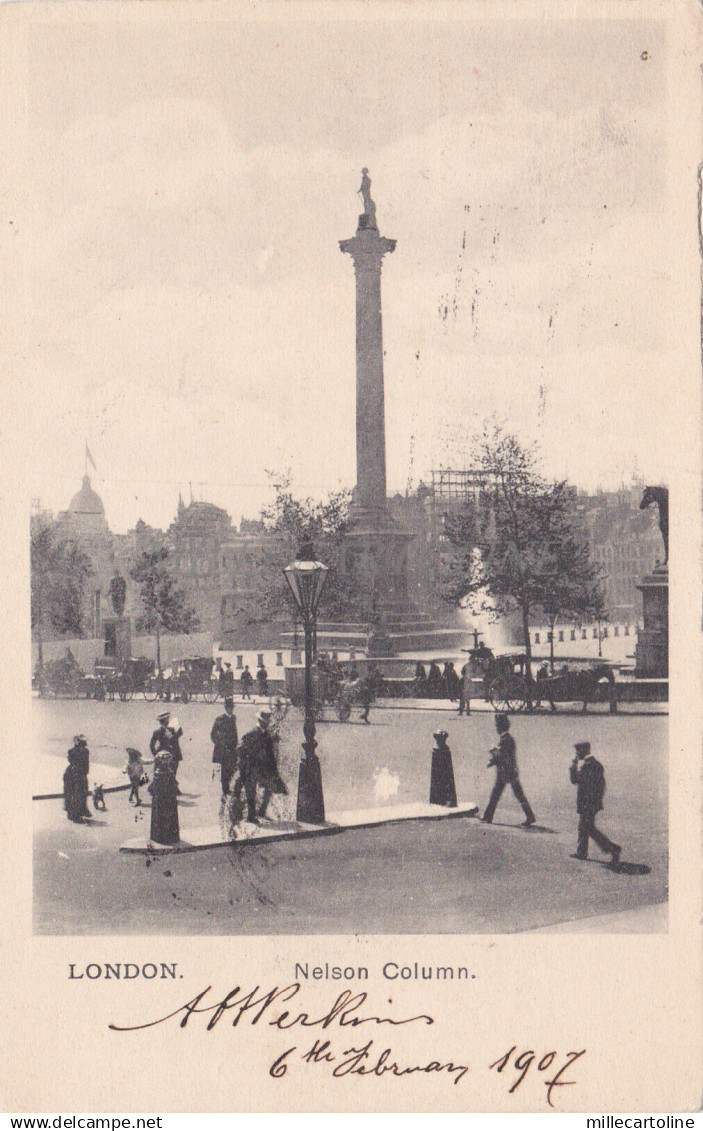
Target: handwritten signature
347, 1012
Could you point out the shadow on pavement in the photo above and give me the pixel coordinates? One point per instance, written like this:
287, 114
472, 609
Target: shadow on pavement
520, 827
625, 869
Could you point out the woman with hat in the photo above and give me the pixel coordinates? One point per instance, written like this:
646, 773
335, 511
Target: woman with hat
164, 802
165, 738
442, 787
75, 781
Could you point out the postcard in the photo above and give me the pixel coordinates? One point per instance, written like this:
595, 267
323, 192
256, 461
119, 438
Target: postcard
352, 557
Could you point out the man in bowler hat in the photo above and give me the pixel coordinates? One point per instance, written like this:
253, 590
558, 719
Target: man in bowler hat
224, 738
587, 773
503, 757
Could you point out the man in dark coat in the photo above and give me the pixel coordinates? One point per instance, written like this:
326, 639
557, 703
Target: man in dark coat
503, 757
246, 679
587, 773
258, 766
262, 678
166, 737
224, 739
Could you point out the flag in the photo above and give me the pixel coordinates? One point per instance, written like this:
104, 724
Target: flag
88, 458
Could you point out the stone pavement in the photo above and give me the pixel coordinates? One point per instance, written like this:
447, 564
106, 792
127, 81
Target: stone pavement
48, 777
198, 839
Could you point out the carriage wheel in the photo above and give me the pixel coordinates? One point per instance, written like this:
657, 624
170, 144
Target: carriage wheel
150, 692
210, 693
278, 706
498, 695
126, 694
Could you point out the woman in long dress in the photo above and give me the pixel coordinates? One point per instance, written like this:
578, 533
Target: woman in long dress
75, 781
164, 802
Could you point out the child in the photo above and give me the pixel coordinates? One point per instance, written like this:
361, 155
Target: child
134, 768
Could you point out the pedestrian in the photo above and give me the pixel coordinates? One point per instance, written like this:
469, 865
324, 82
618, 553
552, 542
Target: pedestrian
368, 685
465, 688
435, 685
166, 737
419, 680
224, 738
442, 787
258, 765
587, 773
452, 688
246, 679
75, 781
164, 801
227, 681
503, 757
262, 678
135, 771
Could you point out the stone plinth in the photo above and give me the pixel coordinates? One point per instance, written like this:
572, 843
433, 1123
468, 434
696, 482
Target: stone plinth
652, 651
117, 635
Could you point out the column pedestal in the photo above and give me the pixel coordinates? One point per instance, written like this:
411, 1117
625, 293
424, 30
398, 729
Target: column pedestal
652, 651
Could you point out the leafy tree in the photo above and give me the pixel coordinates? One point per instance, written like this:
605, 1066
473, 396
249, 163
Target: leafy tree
164, 602
59, 569
290, 523
521, 541
571, 582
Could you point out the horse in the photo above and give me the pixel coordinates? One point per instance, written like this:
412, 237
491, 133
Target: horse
660, 496
576, 685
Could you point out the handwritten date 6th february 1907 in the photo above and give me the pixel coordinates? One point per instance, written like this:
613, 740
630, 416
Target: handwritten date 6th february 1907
361, 1058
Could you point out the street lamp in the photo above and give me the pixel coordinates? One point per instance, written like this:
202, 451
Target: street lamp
306, 579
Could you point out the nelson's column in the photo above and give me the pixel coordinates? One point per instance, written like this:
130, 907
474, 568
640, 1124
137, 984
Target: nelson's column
375, 553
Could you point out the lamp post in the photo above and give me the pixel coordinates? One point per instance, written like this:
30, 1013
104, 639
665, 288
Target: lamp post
306, 579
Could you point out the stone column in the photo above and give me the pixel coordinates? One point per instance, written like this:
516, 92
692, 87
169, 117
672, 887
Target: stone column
367, 249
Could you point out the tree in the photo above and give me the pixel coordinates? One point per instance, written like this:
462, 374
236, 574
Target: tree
571, 582
521, 540
289, 523
164, 602
59, 569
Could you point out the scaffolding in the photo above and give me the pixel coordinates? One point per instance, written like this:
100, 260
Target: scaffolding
455, 483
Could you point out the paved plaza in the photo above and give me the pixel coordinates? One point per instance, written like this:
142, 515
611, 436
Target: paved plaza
417, 876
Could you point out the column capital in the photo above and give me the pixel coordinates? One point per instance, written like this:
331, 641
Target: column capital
367, 248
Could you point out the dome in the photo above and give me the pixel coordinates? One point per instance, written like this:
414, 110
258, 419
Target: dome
86, 501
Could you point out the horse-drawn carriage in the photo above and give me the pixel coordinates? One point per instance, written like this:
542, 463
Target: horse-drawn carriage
65, 679
338, 689
510, 685
184, 680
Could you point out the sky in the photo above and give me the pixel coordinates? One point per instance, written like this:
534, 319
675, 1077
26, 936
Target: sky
192, 316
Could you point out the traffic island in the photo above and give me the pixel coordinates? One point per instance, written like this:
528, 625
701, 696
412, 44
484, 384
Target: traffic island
199, 839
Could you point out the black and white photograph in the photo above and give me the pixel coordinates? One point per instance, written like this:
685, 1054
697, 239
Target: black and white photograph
357, 394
